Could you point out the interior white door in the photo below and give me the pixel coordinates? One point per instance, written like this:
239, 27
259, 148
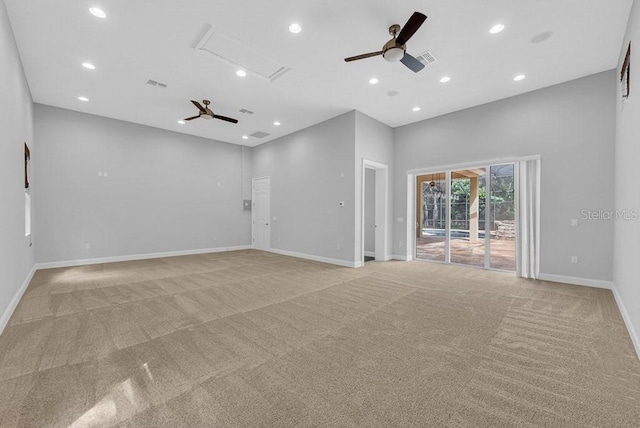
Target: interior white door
260, 213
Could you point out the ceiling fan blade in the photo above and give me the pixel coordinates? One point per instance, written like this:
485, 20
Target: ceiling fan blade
410, 27
412, 63
363, 56
192, 117
228, 119
197, 104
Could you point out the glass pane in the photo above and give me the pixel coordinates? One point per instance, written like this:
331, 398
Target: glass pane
503, 227
468, 216
432, 214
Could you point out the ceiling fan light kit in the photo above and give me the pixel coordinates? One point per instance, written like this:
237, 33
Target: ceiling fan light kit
393, 54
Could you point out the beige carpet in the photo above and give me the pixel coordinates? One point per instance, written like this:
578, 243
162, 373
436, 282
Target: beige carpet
249, 338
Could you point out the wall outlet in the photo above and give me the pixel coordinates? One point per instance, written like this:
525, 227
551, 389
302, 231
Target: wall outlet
574, 259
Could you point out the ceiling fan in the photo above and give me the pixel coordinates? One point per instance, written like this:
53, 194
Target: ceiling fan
395, 49
206, 113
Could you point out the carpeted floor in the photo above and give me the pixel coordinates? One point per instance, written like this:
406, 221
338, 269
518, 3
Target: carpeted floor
248, 338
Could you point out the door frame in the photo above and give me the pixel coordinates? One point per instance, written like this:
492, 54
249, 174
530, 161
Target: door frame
253, 204
381, 210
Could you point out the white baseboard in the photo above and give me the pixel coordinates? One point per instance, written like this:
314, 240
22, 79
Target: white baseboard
635, 339
597, 283
344, 263
16, 299
82, 262
370, 253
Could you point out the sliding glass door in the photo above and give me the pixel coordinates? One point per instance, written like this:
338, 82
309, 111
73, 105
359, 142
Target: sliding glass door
432, 217
502, 218
467, 216
468, 188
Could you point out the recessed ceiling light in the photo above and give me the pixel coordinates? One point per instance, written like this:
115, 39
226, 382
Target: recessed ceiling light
445, 79
276, 123
519, 77
496, 28
244, 137
83, 98
88, 65
181, 122
295, 28
97, 12
241, 73
416, 109
373, 80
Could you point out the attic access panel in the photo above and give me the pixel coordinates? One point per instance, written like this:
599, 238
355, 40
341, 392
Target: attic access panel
233, 52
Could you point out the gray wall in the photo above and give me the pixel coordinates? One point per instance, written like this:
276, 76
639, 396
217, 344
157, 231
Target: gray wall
164, 191
626, 270
370, 210
311, 170
247, 169
572, 127
373, 142
16, 128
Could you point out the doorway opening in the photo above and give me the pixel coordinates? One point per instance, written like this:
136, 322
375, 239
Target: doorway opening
369, 214
467, 216
375, 228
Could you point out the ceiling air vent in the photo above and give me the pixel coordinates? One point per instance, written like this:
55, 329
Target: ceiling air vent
156, 84
260, 134
426, 58
233, 52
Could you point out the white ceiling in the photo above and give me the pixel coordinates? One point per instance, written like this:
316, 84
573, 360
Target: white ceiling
144, 39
